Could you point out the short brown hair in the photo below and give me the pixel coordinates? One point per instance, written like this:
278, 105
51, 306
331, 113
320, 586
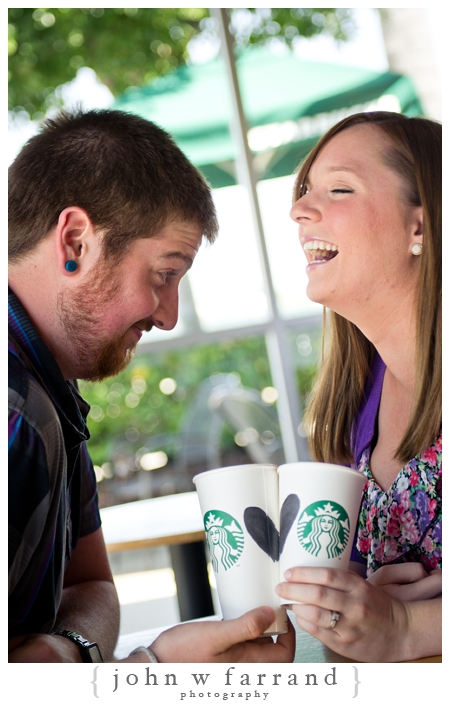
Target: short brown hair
414, 152
125, 172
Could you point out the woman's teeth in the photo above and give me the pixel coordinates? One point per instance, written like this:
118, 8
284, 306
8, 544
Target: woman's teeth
321, 250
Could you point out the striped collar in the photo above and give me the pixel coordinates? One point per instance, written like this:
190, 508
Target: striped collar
44, 368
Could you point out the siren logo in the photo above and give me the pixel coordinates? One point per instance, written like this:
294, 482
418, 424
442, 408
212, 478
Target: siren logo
323, 529
225, 539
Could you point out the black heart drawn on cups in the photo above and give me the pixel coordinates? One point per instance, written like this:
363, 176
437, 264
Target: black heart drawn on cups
263, 531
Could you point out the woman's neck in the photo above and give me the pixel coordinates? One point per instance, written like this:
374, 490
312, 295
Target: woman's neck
394, 338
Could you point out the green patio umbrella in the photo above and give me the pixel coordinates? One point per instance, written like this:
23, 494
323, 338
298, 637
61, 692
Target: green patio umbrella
288, 102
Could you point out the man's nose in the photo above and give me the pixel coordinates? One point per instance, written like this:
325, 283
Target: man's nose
165, 315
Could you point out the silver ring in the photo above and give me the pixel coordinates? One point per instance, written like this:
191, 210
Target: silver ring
334, 618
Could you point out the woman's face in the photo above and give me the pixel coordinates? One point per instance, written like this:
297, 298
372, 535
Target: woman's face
355, 229
215, 535
326, 523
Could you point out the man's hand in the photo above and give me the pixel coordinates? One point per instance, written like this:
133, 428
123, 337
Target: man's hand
238, 640
89, 606
39, 647
89, 603
408, 582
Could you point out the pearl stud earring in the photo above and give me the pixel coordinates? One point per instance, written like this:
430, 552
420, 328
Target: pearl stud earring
416, 249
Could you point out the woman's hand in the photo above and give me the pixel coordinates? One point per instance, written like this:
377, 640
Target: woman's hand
408, 582
238, 640
373, 626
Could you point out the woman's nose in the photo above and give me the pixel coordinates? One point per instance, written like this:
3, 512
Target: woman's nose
305, 209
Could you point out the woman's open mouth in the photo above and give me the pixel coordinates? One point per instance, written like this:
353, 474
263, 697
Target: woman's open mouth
320, 251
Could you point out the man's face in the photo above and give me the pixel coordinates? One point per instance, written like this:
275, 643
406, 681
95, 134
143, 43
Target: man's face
103, 319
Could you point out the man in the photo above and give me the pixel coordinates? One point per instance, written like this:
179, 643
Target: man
106, 215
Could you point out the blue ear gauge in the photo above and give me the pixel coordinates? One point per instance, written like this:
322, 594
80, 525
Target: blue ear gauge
71, 265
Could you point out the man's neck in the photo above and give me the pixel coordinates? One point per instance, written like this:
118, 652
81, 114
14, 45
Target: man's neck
33, 283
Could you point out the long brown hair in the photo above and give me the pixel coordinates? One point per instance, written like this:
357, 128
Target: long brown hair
416, 155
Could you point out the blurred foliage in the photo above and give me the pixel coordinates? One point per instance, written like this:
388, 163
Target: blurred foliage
131, 46
305, 346
152, 411
132, 403
263, 25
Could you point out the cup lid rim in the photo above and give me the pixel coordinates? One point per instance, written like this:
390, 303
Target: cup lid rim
242, 467
321, 465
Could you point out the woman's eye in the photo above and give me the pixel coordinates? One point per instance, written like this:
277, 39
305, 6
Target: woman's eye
342, 191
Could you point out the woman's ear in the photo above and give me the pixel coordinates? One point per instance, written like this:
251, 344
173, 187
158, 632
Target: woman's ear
417, 224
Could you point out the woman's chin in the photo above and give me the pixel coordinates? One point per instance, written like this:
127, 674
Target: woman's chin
316, 294
323, 296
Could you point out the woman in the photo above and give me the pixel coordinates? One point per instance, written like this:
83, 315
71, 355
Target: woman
220, 550
368, 205
323, 540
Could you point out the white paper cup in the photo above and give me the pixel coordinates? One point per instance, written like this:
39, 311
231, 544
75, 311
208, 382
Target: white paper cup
319, 509
240, 513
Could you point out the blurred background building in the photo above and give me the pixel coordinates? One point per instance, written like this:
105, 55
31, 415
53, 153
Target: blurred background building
229, 384
413, 43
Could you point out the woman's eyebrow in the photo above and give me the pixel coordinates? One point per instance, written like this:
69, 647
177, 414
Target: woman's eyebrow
332, 169
342, 169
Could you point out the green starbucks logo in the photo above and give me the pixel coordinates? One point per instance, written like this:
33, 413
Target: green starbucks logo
323, 529
225, 539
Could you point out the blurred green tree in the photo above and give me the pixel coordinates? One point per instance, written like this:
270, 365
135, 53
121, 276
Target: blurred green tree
134, 404
131, 46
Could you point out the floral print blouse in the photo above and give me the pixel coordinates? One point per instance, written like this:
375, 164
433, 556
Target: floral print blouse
403, 523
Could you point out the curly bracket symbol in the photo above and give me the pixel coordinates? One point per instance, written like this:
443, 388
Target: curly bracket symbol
356, 682
94, 683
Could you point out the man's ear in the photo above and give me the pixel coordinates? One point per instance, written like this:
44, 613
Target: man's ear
75, 241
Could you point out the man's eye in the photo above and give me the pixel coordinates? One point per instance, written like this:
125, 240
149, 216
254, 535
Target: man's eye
166, 276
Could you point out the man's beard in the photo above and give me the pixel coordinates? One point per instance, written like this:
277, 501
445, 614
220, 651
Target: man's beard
80, 316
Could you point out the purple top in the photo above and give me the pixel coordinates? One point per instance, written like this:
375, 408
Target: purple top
364, 427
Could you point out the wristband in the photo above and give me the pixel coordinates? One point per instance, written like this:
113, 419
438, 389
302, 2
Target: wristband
90, 651
151, 656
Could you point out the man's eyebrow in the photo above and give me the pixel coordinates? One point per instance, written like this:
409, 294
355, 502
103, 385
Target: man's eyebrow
180, 256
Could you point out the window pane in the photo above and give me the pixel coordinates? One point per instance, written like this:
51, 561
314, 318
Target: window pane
287, 261
226, 279
176, 413
305, 347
